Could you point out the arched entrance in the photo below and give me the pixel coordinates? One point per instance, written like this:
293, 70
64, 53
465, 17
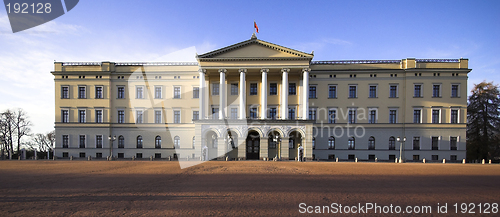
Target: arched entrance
294, 144
274, 140
209, 146
253, 145
232, 144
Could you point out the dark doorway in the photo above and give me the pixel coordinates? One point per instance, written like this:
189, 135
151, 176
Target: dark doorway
253, 145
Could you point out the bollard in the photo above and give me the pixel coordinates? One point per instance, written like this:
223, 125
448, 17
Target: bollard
376, 159
444, 160
463, 161
133, 157
71, 157
356, 160
396, 160
169, 158
337, 160
423, 160
483, 161
151, 158
89, 158
489, 162
227, 158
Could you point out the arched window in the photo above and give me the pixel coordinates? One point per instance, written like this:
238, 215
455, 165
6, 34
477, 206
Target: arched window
371, 143
158, 142
331, 142
392, 143
291, 143
121, 142
139, 141
351, 144
314, 143
177, 142
194, 141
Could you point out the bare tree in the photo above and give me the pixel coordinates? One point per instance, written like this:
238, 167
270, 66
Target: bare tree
22, 125
7, 131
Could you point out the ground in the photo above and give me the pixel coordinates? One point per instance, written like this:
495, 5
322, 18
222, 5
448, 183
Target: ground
242, 188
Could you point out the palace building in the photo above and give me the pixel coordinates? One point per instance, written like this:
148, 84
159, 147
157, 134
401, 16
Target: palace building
259, 100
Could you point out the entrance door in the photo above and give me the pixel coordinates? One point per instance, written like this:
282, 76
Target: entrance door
253, 145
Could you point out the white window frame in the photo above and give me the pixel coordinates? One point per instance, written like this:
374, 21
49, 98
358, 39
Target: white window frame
118, 116
316, 91
215, 116
137, 111
62, 140
376, 115
458, 90
231, 112
421, 114
439, 143
102, 91
192, 113
161, 92
84, 141
277, 88
355, 115
421, 90
315, 114
397, 113
349, 91
180, 116
194, 92
440, 90
397, 90
118, 92
336, 115
180, 92
85, 91
336, 91
376, 91
62, 115
102, 140
295, 111
213, 87
440, 113
84, 116
62, 92
137, 92
458, 114
231, 89
161, 116
102, 116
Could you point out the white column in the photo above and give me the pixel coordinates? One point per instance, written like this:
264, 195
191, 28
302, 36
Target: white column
243, 113
284, 94
305, 92
222, 94
263, 94
202, 94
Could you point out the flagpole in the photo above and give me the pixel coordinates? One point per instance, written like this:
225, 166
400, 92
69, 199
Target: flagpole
253, 26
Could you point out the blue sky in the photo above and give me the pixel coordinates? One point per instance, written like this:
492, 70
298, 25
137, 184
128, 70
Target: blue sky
127, 30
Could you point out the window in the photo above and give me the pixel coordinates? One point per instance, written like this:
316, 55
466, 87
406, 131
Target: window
273, 89
98, 116
453, 143
234, 113
65, 154
272, 113
121, 155
331, 142
196, 115
64, 92
436, 116
392, 143
454, 90
314, 143
373, 116
253, 89
435, 142
158, 91
157, 116
177, 142
332, 116
434, 157
351, 157
312, 114
332, 91
371, 143
139, 92
453, 157
215, 113
82, 141
157, 155
138, 155
65, 116
121, 92
253, 113
291, 144
196, 92
98, 92
194, 142
351, 144
373, 91
82, 92
121, 142
417, 116
454, 116
393, 91
234, 89
177, 117
138, 117
139, 142
98, 141
65, 141
436, 88
157, 142
81, 116
292, 89
416, 143
121, 116
392, 157
82, 154
177, 92
312, 92
393, 116
352, 116
291, 113
352, 91
416, 157
418, 90
215, 89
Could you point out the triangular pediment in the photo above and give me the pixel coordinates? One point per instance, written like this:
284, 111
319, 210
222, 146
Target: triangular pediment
255, 49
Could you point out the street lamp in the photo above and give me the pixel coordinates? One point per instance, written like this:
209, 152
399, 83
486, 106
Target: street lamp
111, 139
276, 139
401, 142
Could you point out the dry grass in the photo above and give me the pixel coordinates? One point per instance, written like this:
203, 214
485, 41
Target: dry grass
246, 188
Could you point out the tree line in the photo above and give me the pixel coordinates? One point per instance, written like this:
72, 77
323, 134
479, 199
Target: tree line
15, 133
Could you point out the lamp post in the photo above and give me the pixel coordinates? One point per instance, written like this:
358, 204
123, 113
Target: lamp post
401, 142
111, 139
276, 139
